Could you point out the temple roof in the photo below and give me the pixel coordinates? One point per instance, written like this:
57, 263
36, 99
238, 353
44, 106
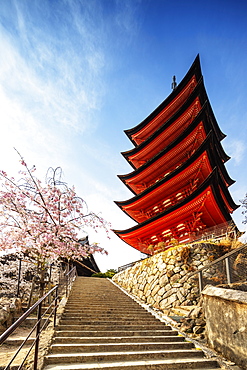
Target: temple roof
178, 184
168, 107
179, 178
207, 206
172, 156
172, 129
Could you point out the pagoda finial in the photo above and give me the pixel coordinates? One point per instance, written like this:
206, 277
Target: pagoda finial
174, 83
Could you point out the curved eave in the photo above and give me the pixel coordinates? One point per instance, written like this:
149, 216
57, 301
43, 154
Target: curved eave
167, 218
206, 149
195, 70
205, 111
201, 118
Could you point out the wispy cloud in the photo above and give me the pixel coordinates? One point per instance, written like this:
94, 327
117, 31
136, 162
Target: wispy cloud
236, 149
53, 78
127, 16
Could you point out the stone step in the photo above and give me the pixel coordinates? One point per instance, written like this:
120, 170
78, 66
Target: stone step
107, 305
166, 364
108, 311
115, 326
105, 302
111, 321
182, 311
122, 333
103, 307
101, 311
29, 322
106, 316
99, 357
17, 341
104, 299
133, 339
107, 298
116, 347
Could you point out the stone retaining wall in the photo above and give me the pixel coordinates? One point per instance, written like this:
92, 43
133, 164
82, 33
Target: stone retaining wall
10, 308
161, 280
9, 270
226, 329
10, 304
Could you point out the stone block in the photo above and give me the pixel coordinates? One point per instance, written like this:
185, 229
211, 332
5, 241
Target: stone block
155, 290
169, 273
150, 278
162, 266
161, 291
180, 296
175, 278
169, 292
167, 287
226, 323
163, 303
163, 280
172, 299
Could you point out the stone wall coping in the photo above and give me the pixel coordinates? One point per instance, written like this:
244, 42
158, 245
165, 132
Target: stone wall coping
227, 294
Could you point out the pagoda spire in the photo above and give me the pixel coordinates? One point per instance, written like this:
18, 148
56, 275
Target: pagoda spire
174, 83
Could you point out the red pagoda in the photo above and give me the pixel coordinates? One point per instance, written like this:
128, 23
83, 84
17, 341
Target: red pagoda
179, 180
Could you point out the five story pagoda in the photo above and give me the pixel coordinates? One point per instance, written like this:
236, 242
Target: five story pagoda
179, 180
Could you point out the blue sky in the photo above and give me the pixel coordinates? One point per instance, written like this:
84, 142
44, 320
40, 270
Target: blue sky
75, 73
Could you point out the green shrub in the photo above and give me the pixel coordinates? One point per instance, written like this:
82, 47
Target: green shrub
108, 274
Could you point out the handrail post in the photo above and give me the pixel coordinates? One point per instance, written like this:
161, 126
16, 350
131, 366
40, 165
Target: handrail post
55, 310
36, 351
200, 278
67, 282
228, 270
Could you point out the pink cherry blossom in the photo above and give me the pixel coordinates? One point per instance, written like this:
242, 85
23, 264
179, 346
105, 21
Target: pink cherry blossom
43, 220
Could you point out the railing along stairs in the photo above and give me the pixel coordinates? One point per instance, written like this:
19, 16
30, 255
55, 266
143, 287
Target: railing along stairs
227, 269
44, 316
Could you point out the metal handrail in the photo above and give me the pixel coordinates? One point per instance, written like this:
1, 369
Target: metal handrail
222, 258
130, 264
69, 278
217, 260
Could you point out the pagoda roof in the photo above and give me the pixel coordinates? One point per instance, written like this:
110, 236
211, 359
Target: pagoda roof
207, 206
172, 129
172, 156
167, 108
178, 184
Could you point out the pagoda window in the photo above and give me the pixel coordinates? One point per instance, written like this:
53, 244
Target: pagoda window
181, 227
167, 232
179, 196
167, 203
154, 238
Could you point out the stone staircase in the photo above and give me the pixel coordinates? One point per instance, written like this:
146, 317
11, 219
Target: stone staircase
103, 328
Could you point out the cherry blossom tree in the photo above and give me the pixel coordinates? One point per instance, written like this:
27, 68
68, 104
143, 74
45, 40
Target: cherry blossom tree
43, 221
